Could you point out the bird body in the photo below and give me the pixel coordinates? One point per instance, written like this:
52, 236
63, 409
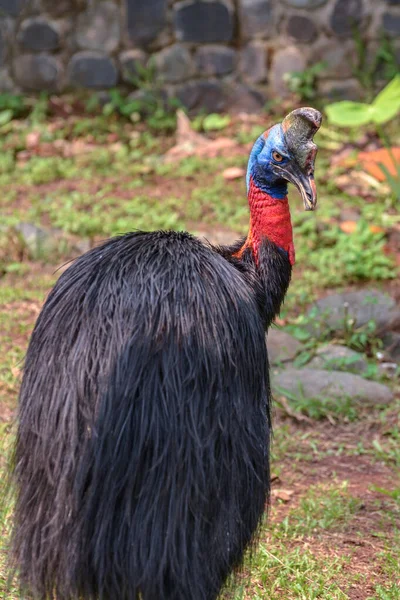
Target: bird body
142, 454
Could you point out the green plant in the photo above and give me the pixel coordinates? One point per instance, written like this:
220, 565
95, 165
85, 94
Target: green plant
149, 102
211, 122
382, 63
303, 83
382, 109
12, 106
320, 407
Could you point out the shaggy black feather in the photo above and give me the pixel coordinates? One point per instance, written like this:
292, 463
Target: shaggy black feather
142, 455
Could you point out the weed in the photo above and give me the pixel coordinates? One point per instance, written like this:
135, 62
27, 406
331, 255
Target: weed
211, 122
369, 68
321, 407
387, 451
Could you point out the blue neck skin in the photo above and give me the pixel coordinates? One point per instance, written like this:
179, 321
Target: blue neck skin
259, 165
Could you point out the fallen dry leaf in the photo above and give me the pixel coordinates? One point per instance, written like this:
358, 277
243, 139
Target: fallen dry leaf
283, 495
233, 173
351, 226
15, 372
372, 160
348, 226
190, 143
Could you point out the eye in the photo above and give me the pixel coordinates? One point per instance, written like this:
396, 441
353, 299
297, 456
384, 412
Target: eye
277, 157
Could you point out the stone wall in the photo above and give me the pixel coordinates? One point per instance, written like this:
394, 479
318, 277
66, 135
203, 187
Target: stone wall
214, 54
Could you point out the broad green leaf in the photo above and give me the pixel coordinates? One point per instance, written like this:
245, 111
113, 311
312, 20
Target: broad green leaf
387, 103
349, 114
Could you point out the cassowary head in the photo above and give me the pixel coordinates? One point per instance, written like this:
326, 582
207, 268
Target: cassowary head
286, 153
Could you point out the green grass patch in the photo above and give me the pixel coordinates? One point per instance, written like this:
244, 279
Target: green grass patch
325, 507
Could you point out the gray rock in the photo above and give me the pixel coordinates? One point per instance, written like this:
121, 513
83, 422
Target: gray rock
314, 383
246, 99
305, 3
391, 23
38, 34
301, 29
282, 347
145, 19
344, 89
38, 72
338, 358
11, 7
285, 61
174, 64
215, 60
346, 15
98, 28
35, 239
210, 96
203, 22
361, 307
92, 70
253, 62
390, 370
255, 17
391, 345
130, 60
393, 2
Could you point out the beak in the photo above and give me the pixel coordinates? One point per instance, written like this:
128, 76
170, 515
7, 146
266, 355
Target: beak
304, 182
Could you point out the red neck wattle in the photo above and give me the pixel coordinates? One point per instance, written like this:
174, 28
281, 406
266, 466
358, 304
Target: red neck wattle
269, 218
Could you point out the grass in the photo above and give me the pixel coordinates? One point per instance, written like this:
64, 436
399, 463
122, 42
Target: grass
341, 465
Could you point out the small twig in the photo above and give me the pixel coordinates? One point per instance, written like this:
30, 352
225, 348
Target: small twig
284, 404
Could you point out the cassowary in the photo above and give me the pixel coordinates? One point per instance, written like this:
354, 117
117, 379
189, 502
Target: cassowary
142, 452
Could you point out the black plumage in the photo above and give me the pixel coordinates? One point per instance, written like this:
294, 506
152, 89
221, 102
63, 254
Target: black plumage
142, 452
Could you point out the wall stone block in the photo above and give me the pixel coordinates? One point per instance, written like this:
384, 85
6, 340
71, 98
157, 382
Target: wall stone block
203, 22
92, 70
211, 96
129, 61
11, 7
301, 29
348, 89
37, 34
145, 20
38, 72
391, 24
284, 61
213, 54
174, 64
346, 15
253, 62
255, 18
244, 98
215, 60
99, 27
339, 59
